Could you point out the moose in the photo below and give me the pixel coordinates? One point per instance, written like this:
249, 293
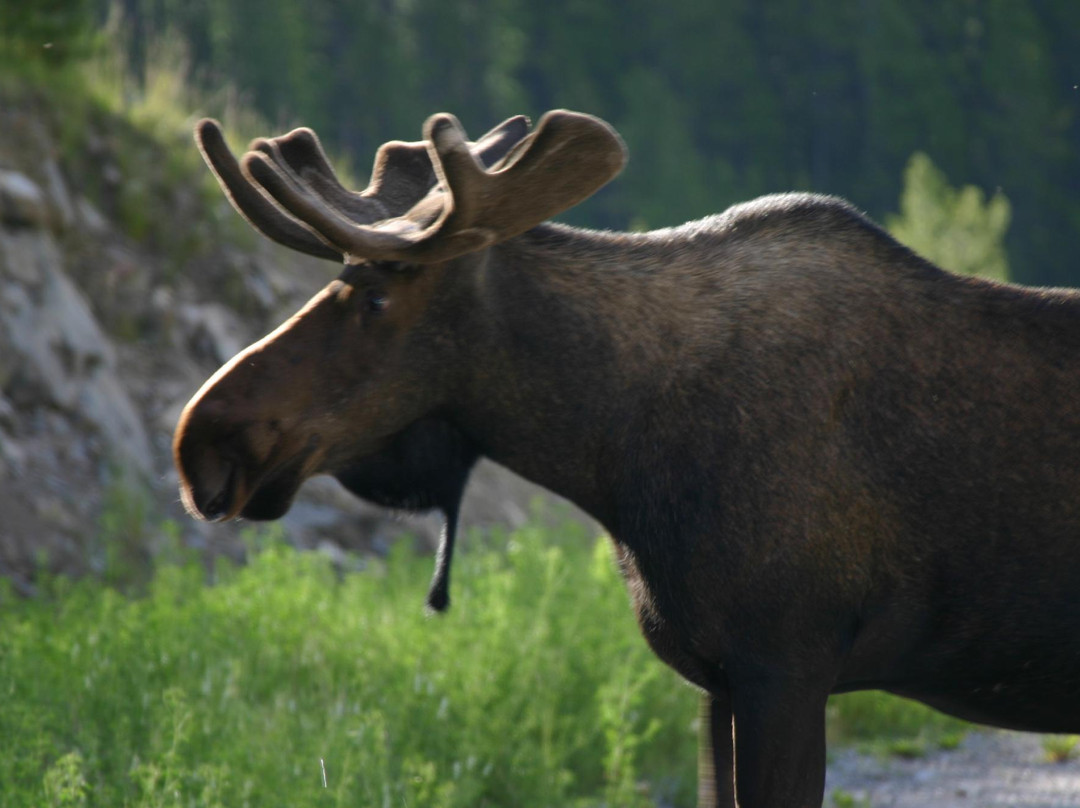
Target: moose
825, 463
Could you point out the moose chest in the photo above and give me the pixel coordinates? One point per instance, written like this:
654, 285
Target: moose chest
661, 621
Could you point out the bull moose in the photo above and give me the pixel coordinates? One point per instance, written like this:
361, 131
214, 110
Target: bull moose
826, 464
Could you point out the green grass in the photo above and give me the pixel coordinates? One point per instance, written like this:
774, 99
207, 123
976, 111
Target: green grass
1060, 748
240, 685
535, 689
883, 724
845, 799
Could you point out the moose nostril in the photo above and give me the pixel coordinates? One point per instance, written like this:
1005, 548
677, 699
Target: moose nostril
216, 499
216, 507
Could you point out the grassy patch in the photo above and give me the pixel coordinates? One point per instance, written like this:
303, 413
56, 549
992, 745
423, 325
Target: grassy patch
242, 685
886, 724
125, 144
1060, 748
535, 689
845, 799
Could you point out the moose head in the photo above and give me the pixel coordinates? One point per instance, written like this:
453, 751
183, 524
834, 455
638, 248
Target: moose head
355, 385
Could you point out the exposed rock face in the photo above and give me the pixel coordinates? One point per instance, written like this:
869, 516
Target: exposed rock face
55, 354
104, 338
21, 201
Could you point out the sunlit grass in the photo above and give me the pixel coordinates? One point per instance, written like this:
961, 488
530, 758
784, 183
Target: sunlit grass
163, 101
1060, 748
535, 689
129, 137
887, 724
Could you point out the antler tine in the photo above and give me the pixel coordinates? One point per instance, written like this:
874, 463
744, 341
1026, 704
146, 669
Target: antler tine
260, 212
313, 210
402, 176
458, 171
493, 146
300, 154
565, 160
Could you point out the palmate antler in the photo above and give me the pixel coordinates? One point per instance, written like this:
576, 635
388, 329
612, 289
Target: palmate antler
402, 176
427, 201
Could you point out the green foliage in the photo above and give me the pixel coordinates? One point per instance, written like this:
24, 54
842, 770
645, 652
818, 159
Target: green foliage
1060, 748
127, 147
164, 196
956, 228
845, 799
44, 33
950, 740
122, 539
891, 725
908, 748
719, 102
535, 689
65, 782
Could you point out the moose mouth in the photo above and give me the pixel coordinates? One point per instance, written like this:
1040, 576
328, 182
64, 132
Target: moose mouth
269, 496
275, 493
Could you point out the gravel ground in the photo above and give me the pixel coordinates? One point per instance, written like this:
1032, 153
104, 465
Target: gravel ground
990, 769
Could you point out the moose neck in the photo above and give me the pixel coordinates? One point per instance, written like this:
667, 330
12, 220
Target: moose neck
565, 330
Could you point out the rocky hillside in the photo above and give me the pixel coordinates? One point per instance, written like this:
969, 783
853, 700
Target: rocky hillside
125, 280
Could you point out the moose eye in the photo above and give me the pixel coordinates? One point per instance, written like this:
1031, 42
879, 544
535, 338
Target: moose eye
376, 301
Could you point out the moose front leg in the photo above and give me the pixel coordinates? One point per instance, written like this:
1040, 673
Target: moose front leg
716, 758
779, 729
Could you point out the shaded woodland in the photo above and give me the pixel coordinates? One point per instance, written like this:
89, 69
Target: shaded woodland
718, 102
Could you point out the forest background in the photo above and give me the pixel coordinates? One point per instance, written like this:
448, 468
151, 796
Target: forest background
718, 102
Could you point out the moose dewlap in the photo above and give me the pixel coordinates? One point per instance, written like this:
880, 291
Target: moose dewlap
826, 464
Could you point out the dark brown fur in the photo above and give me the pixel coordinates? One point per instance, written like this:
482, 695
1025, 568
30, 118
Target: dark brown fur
826, 464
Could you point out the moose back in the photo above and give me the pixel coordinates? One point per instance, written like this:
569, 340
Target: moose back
826, 464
